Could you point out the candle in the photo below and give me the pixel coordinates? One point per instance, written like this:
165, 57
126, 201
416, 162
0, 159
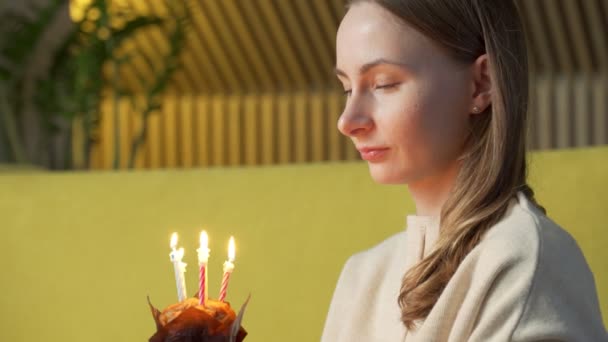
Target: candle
179, 267
228, 269
203, 258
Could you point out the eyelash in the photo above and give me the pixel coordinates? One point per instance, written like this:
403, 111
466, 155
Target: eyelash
386, 86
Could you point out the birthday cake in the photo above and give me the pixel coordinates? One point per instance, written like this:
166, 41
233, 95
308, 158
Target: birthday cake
188, 321
199, 319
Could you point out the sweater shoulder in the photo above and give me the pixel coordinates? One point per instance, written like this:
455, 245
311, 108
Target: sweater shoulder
525, 234
374, 258
379, 253
544, 259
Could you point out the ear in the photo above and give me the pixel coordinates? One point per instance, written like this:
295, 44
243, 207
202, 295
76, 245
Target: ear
482, 85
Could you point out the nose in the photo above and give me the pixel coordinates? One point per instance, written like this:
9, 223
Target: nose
354, 121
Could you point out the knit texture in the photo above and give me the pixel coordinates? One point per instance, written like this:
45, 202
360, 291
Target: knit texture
527, 280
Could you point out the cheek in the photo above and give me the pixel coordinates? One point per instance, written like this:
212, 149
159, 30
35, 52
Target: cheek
409, 125
427, 129
443, 119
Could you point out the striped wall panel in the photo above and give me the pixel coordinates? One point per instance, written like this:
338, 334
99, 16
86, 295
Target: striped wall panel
226, 130
300, 127
236, 50
569, 111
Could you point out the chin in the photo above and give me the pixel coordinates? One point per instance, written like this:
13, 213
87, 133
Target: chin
385, 174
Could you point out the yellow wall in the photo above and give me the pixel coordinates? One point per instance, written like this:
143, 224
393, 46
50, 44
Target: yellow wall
80, 251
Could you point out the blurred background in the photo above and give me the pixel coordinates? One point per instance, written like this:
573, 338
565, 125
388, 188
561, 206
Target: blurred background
100, 84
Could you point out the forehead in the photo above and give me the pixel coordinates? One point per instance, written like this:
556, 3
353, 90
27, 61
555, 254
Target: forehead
368, 32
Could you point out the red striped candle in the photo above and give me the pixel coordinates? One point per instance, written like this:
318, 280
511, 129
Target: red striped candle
228, 269
203, 258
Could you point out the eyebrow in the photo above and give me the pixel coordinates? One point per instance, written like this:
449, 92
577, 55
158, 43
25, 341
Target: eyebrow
375, 63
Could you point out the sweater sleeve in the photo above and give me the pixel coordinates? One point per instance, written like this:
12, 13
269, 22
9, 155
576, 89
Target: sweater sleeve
545, 293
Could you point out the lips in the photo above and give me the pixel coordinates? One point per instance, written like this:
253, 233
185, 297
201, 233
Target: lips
373, 154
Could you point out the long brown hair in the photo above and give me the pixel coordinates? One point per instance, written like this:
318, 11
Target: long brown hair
493, 163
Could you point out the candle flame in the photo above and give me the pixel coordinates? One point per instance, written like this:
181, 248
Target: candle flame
231, 249
204, 240
173, 240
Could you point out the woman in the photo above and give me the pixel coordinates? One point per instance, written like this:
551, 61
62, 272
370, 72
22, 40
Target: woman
436, 99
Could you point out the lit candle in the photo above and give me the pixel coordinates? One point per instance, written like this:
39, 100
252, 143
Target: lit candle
203, 258
176, 257
228, 269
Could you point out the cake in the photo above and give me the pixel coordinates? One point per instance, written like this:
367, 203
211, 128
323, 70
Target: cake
187, 321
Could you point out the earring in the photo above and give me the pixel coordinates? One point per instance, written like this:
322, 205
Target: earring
476, 110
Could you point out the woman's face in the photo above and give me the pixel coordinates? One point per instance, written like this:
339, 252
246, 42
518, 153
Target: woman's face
408, 102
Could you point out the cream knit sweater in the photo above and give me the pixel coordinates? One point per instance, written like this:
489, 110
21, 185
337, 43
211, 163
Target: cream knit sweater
527, 280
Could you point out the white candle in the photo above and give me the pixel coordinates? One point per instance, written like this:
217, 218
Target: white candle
228, 269
203, 258
179, 267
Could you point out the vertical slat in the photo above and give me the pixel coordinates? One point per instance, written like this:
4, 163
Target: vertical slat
251, 132
334, 108
136, 127
153, 139
563, 122
124, 129
107, 134
234, 130
169, 127
600, 110
284, 116
318, 127
95, 157
268, 130
543, 100
301, 127
186, 131
77, 146
202, 130
581, 111
218, 124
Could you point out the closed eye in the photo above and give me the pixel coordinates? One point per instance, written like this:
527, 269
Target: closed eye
388, 86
